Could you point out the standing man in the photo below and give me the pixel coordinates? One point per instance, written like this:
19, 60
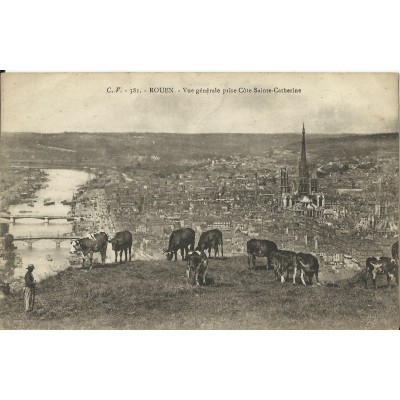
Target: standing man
29, 290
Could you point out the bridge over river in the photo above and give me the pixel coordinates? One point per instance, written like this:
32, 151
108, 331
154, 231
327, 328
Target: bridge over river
45, 218
31, 239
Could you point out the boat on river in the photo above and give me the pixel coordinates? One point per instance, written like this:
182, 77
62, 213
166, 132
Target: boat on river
48, 202
49, 257
24, 211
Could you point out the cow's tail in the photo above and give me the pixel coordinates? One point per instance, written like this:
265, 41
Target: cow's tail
192, 244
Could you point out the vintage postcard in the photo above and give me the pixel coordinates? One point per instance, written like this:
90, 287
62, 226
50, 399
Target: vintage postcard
199, 201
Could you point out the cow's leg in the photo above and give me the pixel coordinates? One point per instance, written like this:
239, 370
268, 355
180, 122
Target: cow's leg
130, 255
205, 265
187, 273
276, 272
281, 272
316, 278
269, 262
183, 253
302, 276
126, 254
294, 274
389, 279
197, 275
83, 260
120, 256
176, 255
116, 255
204, 275
374, 278
91, 259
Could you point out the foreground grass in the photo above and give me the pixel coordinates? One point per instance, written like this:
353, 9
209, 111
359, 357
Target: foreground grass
154, 295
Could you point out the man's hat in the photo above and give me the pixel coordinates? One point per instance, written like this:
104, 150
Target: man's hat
30, 266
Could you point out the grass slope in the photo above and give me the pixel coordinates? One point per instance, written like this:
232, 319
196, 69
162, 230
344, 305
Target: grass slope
154, 295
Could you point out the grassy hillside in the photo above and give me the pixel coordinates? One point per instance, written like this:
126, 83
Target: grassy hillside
154, 295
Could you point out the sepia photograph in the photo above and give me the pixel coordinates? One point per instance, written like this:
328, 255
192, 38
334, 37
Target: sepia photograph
199, 201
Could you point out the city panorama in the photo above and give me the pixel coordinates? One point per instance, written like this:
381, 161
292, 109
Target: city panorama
151, 229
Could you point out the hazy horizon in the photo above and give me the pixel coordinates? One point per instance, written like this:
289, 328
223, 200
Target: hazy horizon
201, 133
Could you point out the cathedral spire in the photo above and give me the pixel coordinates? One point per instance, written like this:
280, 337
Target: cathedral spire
303, 146
304, 177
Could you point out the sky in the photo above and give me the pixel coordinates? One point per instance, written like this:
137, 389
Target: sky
90, 102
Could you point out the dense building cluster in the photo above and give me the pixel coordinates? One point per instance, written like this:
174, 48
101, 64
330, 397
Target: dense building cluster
341, 210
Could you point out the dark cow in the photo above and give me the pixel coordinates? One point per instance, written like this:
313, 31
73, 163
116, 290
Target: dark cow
211, 240
9, 242
122, 242
96, 243
182, 239
283, 261
260, 248
308, 265
197, 261
395, 251
381, 266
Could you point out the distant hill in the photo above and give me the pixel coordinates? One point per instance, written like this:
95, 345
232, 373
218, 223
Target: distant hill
74, 148
345, 146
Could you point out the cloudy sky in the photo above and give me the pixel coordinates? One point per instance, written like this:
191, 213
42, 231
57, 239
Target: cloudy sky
328, 103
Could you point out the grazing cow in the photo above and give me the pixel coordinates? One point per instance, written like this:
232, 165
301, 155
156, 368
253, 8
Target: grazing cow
89, 245
9, 242
122, 242
260, 248
197, 261
211, 240
181, 239
283, 261
308, 265
395, 251
381, 266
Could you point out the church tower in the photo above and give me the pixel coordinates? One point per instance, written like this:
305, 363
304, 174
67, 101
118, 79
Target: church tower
304, 175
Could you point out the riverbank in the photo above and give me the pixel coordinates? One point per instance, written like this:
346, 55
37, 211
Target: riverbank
18, 185
154, 295
48, 256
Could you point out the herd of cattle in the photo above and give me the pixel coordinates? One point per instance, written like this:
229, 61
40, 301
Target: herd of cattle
283, 262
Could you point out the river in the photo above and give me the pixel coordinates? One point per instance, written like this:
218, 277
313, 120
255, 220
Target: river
61, 185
